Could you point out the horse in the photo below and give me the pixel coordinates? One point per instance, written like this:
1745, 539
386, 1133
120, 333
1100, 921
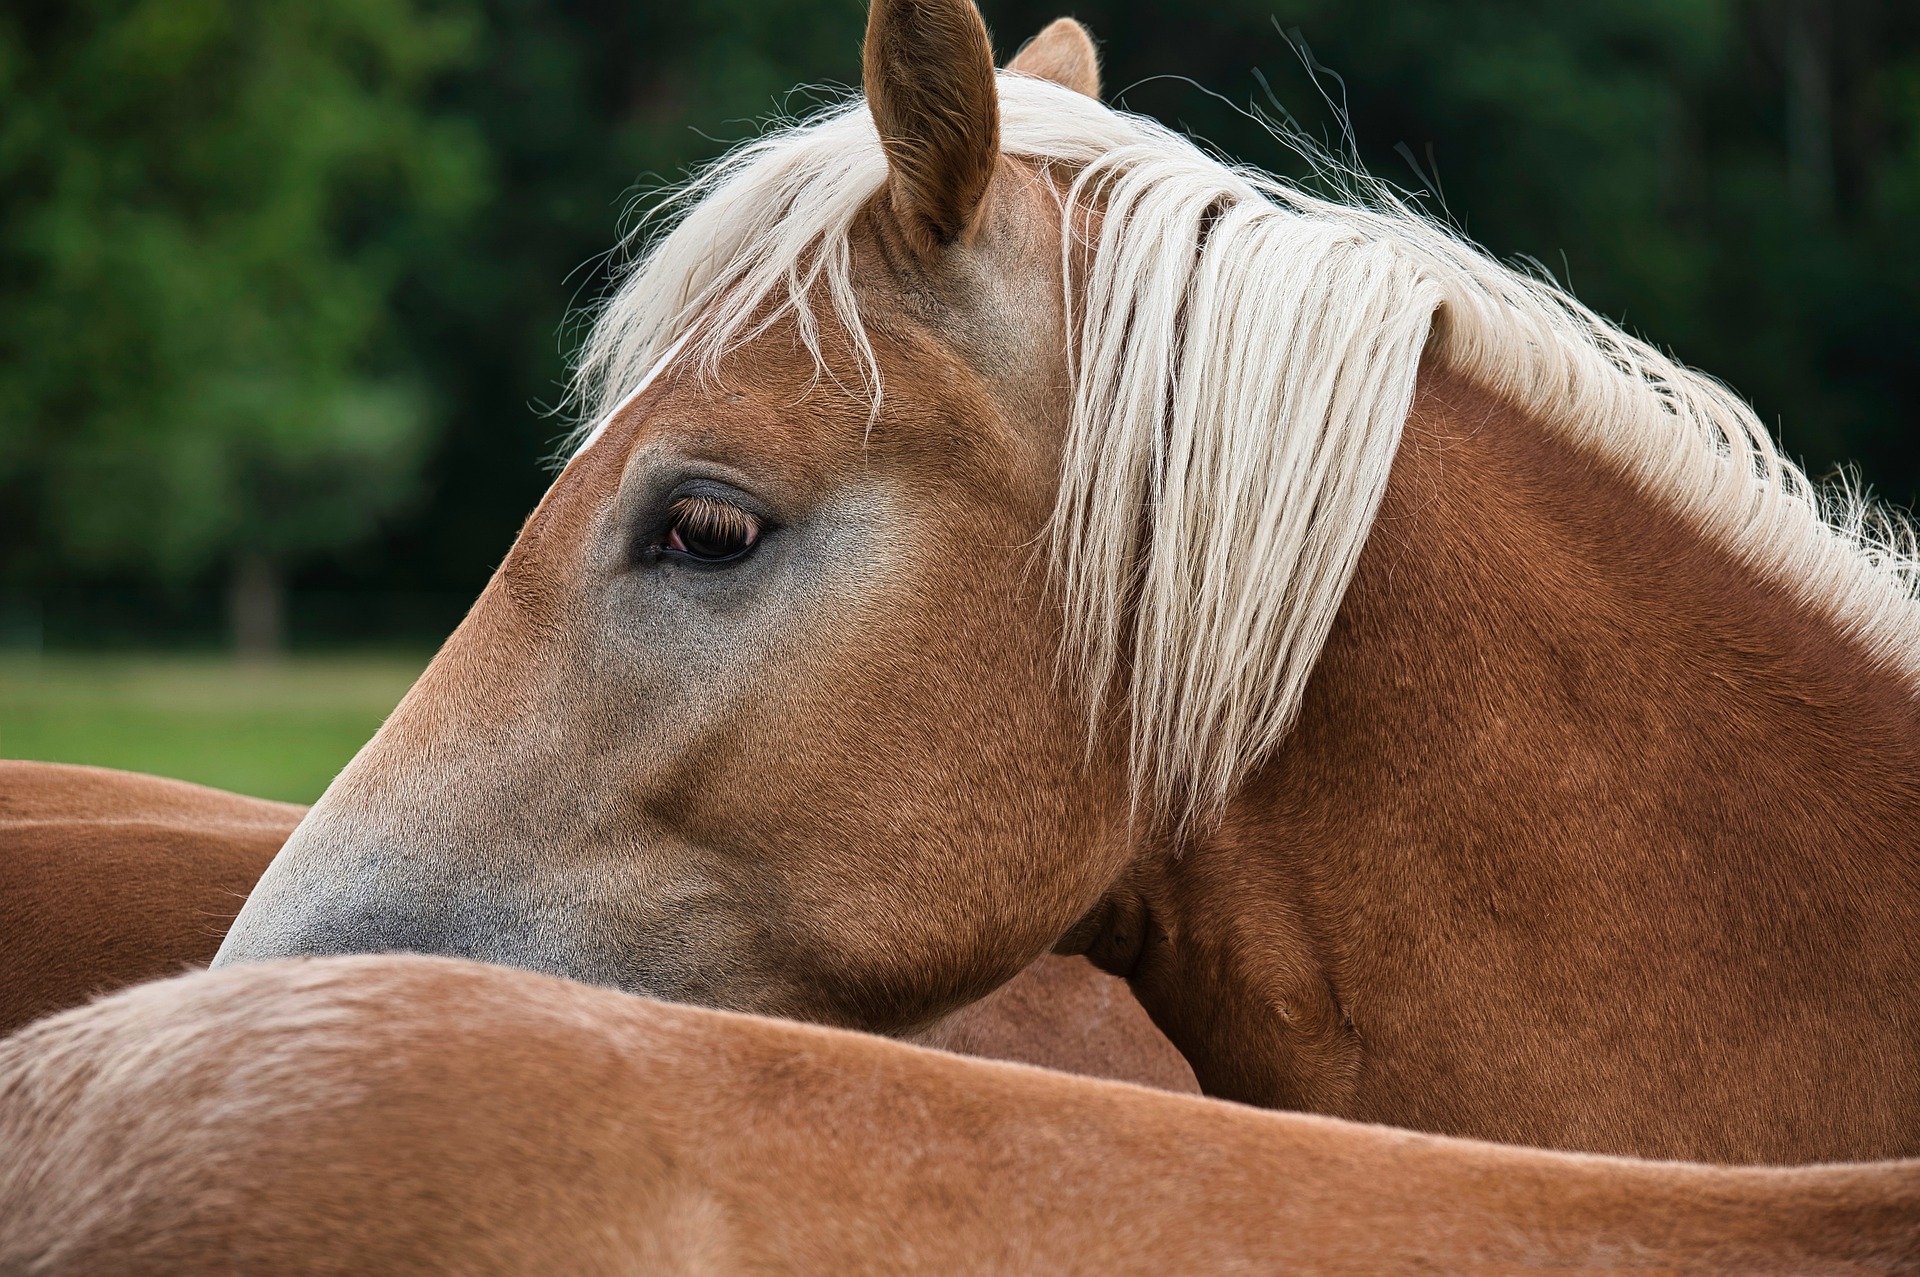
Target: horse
413, 1115
1004, 527
112, 878
109, 878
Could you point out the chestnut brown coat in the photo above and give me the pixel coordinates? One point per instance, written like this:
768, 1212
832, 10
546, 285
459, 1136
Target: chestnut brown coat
413, 1116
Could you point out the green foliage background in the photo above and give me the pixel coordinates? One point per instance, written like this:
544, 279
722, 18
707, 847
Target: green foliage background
293, 277
208, 206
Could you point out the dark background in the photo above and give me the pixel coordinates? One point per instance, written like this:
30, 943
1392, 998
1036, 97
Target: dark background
284, 286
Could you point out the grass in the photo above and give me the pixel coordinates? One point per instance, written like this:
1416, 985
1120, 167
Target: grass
275, 730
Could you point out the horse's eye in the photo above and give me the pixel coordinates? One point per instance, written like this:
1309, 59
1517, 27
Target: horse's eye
708, 530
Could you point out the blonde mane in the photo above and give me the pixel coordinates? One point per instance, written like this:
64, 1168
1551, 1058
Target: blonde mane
1245, 360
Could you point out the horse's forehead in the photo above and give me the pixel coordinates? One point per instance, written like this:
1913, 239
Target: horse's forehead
763, 402
956, 370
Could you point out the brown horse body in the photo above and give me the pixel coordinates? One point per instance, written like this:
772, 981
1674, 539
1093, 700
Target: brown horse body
1596, 826
408, 1115
1065, 1014
108, 878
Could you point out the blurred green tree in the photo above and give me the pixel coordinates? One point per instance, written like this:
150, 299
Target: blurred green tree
242, 274
207, 205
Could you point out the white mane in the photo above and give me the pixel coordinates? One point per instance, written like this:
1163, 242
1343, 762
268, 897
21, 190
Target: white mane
1245, 360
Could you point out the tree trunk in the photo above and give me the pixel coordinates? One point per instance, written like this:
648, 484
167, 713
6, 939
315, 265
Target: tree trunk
256, 607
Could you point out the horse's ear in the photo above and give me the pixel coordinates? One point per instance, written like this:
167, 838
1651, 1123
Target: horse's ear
929, 78
1063, 52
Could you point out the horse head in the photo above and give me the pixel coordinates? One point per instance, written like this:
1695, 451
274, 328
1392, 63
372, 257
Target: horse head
762, 709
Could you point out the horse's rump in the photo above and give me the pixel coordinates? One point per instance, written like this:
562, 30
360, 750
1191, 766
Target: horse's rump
410, 1115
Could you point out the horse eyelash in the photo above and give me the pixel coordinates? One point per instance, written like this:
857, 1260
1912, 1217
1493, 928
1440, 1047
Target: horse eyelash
712, 517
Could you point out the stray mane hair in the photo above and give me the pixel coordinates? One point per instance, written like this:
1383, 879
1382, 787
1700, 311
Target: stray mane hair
1245, 361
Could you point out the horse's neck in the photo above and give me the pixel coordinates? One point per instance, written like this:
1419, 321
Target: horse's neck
1587, 836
